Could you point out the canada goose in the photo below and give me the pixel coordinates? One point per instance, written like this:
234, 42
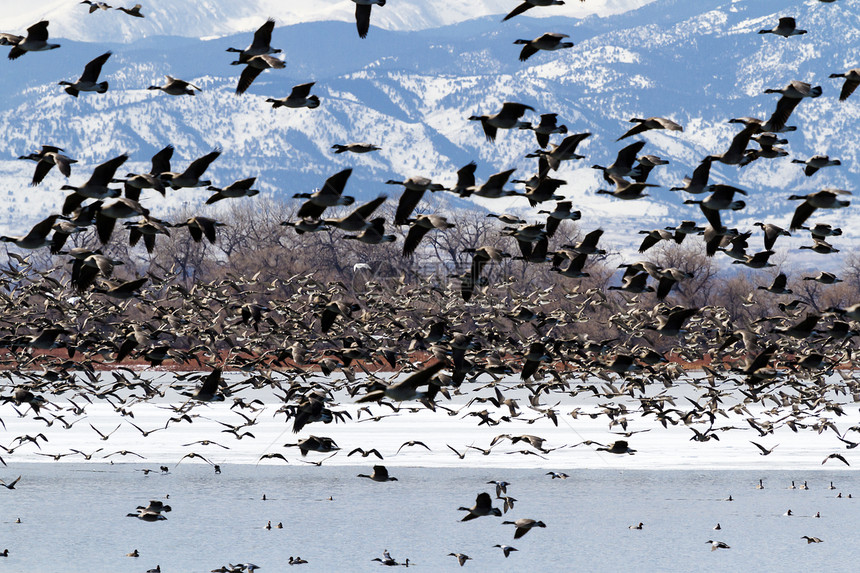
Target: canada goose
650, 123
564, 151
254, 66
547, 126
760, 484
835, 456
407, 389
299, 97
148, 229
653, 237
698, 183
355, 148
523, 526
763, 450
623, 164
200, 227
483, 507
109, 211
36, 41
260, 45
618, 447
824, 278
771, 233
645, 165
10, 485
97, 185
787, 27
626, 190
528, 4
45, 159
357, 220
824, 199
176, 87
792, 94
133, 11
422, 225
778, 286
191, 176
36, 238
852, 80
548, 42
461, 558
561, 212
717, 544
415, 186
737, 150
380, 473
95, 6
507, 118
821, 246
241, 188
362, 15
88, 82
815, 163
720, 199
506, 549
811, 539
329, 195
492, 188
557, 475
315, 444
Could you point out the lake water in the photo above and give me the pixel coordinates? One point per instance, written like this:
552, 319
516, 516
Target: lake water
73, 513
73, 519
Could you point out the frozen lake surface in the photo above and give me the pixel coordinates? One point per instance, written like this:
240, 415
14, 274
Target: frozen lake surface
73, 513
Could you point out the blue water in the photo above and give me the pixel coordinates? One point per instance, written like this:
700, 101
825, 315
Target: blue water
73, 519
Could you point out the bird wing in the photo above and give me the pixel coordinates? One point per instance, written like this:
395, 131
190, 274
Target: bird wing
161, 161
263, 36
336, 183
199, 165
413, 238
249, 74
103, 173
94, 68
362, 19
301, 91
518, 10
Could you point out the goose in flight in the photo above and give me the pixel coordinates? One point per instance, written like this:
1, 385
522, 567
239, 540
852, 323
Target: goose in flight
299, 97
549, 42
529, 4
650, 123
35, 41
260, 45
45, 159
176, 87
483, 507
787, 27
89, 80
362, 15
852, 80
254, 66
507, 118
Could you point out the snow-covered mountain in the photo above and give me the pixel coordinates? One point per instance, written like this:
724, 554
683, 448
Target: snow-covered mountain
699, 63
217, 18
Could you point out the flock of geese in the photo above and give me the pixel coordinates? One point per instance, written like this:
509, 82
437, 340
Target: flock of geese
306, 340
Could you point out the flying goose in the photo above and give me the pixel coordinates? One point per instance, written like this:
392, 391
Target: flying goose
95, 6
815, 163
792, 94
547, 126
852, 80
422, 225
241, 188
529, 4
254, 66
650, 123
260, 45
45, 159
97, 185
564, 151
374, 234
191, 176
133, 11
507, 118
380, 473
824, 199
88, 82
200, 227
626, 190
299, 97
36, 237
176, 87
354, 148
329, 195
36, 41
523, 526
623, 164
549, 42
357, 220
461, 558
787, 27
362, 15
